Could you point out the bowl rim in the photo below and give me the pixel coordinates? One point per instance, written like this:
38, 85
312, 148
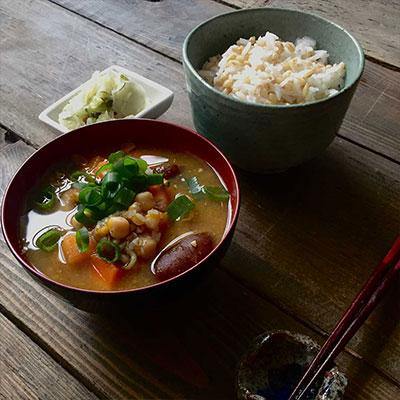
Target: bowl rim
51, 282
260, 106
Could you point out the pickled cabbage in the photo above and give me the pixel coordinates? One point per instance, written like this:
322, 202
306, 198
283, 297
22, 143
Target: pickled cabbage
107, 95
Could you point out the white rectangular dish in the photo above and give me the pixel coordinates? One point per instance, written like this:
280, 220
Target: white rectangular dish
159, 99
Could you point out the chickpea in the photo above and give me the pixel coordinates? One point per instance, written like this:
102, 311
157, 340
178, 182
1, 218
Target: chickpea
145, 246
153, 218
137, 219
119, 227
135, 206
100, 231
146, 200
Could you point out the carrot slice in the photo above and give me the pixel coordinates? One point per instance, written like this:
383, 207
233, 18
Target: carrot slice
108, 273
71, 252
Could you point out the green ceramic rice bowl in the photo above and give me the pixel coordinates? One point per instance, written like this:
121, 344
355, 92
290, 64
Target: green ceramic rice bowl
268, 138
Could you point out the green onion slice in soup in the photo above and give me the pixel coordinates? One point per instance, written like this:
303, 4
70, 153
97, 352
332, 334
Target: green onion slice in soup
180, 207
124, 197
90, 196
46, 200
108, 250
103, 168
113, 157
217, 193
85, 216
154, 179
82, 240
48, 240
111, 182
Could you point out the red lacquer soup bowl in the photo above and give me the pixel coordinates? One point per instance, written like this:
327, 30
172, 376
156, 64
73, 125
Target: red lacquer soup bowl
100, 139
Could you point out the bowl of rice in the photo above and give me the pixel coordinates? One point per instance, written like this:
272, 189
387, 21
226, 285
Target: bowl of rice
270, 86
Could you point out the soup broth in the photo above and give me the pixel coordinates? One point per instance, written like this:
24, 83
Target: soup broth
154, 225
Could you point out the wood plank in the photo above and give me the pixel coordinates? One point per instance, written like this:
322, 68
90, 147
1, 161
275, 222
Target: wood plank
3, 141
374, 23
160, 25
190, 352
28, 373
11, 156
373, 119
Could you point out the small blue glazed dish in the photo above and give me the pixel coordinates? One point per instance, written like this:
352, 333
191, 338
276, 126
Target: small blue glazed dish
274, 364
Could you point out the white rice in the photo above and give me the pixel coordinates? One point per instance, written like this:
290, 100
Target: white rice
269, 71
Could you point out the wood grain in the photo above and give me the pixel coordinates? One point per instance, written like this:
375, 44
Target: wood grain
28, 373
12, 155
373, 119
160, 25
3, 141
190, 352
374, 23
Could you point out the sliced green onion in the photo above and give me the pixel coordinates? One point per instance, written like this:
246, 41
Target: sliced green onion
84, 215
108, 250
103, 168
113, 157
75, 176
178, 208
82, 240
154, 179
48, 240
194, 185
217, 193
90, 196
137, 183
101, 208
124, 197
111, 181
142, 165
46, 200
126, 166
131, 165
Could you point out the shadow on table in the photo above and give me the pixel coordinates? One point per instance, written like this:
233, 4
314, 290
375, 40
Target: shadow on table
190, 345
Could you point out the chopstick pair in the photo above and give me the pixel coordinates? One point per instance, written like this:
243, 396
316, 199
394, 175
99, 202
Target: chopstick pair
359, 310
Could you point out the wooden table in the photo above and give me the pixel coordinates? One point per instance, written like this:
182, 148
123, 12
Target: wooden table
305, 242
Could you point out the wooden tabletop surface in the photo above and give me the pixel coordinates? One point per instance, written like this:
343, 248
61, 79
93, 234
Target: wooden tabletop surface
305, 242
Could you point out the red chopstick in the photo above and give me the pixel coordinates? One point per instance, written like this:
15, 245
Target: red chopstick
359, 310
